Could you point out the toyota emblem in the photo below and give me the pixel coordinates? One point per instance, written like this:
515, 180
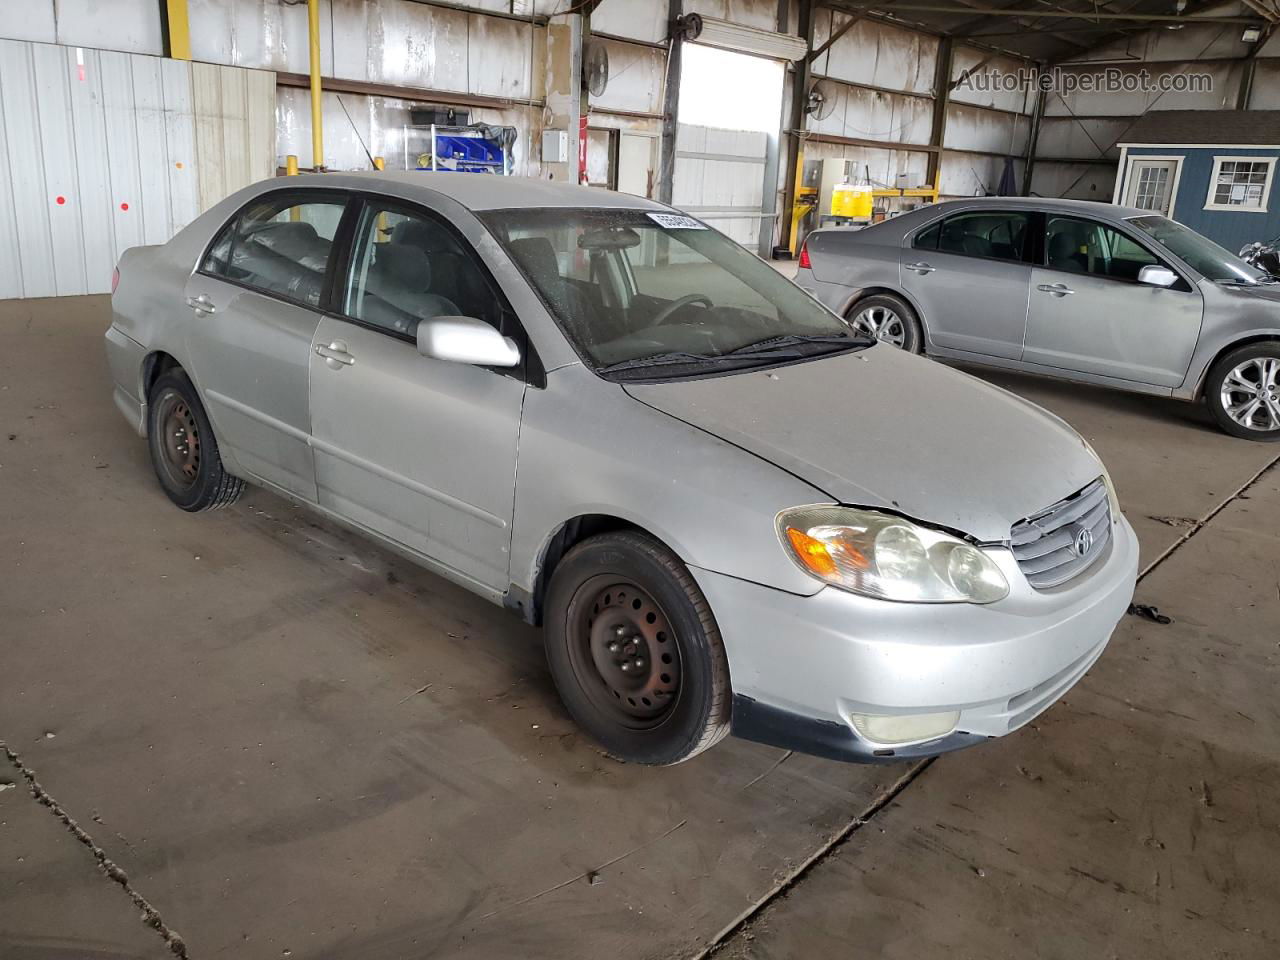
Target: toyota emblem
1084, 543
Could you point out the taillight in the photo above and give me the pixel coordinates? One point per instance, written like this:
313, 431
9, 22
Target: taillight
115, 279
804, 256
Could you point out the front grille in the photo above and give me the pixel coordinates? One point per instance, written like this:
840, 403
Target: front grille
1061, 541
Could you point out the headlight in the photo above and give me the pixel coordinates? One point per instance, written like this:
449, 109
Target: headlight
887, 557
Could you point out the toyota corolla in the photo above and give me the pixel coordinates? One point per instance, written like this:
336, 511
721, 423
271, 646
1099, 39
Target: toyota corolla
729, 510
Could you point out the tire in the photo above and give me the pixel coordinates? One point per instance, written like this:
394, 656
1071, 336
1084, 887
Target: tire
1248, 373
677, 703
889, 319
184, 452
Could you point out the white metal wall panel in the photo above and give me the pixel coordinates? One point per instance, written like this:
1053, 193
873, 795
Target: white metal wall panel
92, 197
37, 23
719, 172
500, 57
131, 26
971, 175
636, 78
972, 128
1225, 79
1088, 138
638, 19
981, 61
266, 35
875, 54
122, 149
98, 153
1076, 181
26, 170
1266, 87
761, 14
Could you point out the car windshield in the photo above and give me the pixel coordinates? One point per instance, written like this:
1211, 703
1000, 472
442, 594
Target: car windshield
1199, 252
639, 290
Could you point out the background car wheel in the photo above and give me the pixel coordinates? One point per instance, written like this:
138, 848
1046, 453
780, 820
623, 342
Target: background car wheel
888, 319
1243, 391
635, 651
183, 449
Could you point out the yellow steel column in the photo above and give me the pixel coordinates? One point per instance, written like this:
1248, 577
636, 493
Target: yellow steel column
291, 165
317, 132
179, 29
379, 163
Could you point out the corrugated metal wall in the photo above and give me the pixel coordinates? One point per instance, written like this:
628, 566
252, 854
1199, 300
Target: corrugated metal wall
101, 151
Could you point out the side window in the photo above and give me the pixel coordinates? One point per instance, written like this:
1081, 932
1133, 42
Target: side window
407, 267
1086, 246
927, 239
279, 244
992, 234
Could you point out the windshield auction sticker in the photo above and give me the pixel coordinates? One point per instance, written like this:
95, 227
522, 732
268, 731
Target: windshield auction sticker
674, 221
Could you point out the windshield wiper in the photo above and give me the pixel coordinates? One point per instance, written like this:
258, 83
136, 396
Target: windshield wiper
794, 339
674, 357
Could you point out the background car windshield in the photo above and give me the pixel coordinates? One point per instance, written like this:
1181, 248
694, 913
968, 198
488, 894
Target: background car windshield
1200, 253
623, 286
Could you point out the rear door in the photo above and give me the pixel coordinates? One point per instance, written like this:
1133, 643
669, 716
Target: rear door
422, 451
1090, 314
256, 297
969, 274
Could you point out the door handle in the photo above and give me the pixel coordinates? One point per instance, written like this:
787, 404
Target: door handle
1057, 289
201, 304
921, 268
335, 355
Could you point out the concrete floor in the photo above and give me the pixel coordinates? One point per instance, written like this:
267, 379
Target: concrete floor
252, 735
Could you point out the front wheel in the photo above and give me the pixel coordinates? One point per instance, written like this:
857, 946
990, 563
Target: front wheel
1243, 391
888, 319
635, 651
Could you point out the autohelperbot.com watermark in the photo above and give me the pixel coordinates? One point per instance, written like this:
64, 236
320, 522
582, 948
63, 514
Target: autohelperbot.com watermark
1077, 80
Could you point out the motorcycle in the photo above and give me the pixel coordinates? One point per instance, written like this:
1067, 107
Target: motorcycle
1264, 256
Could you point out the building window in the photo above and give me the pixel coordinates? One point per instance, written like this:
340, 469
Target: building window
1240, 183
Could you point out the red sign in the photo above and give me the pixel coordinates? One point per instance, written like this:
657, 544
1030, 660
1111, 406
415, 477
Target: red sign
582, 149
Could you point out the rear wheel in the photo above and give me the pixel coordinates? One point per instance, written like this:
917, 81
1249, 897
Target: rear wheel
888, 319
1243, 391
635, 652
184, 452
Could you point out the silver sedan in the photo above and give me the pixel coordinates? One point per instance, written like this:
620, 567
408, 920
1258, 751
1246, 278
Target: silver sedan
1092, 292
624, 427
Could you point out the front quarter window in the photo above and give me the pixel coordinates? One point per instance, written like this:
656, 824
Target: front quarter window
643, 290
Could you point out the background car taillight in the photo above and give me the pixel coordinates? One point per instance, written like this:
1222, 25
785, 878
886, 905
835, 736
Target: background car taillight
115, 279
804, 256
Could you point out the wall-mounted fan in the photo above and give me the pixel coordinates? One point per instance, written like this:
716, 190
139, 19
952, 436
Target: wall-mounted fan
595, 67
821, 100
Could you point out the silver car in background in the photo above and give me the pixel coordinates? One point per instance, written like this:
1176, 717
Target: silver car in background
1092, 292
621, 425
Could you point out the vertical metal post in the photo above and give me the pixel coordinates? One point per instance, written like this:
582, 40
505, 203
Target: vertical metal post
379, 163
177, 30
291, 165
796, 122
1033, 142
317, 121
941, 97
670, 104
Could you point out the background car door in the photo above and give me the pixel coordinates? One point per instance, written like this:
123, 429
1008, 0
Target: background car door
1090, 314
256, 297
969, 275
420, 450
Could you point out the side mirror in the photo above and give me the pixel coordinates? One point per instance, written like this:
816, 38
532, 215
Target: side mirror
466, 340
1157, 276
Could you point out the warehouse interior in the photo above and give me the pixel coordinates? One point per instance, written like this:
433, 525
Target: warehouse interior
253, 732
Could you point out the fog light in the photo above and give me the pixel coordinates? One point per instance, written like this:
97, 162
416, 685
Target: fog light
908, 728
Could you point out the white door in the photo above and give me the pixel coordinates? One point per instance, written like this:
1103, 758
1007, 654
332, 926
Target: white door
1151, 183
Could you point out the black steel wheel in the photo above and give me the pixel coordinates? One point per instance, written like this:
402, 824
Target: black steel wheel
634, 650
184, 452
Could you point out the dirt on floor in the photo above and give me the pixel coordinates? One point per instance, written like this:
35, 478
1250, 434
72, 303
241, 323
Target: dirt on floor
249, 733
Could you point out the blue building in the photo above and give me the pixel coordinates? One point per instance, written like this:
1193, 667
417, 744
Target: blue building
1213, 170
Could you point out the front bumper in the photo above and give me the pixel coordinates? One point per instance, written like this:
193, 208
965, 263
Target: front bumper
801, 666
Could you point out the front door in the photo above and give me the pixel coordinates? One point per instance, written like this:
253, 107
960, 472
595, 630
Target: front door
422, 451
1090, 314
256, 298
970, 277
1150, 184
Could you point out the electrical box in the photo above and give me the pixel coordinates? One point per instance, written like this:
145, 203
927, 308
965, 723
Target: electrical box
555, 146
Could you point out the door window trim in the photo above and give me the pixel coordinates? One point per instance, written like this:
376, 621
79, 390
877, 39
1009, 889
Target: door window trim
1024, 255
530, 368
1184, 285
330, 266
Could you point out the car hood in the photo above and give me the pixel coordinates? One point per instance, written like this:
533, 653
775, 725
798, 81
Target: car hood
883, 428
1269, 292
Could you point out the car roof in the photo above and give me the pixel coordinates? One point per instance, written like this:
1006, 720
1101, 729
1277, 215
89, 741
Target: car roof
481, 191
1052, 205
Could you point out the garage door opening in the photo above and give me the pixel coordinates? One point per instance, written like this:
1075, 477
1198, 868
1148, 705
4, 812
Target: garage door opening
726, 139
